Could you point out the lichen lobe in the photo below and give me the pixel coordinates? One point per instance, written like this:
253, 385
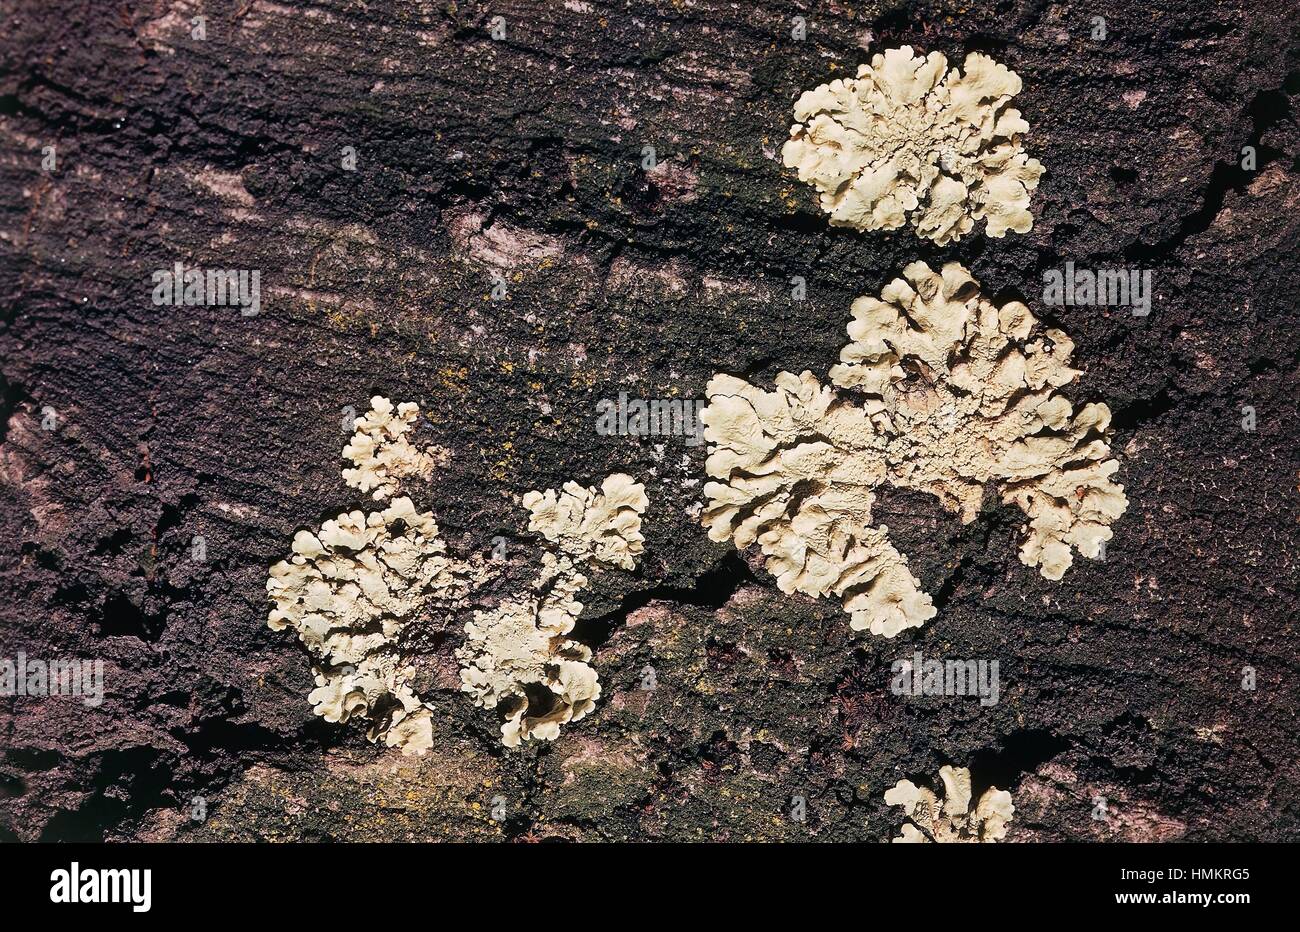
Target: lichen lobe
953, 820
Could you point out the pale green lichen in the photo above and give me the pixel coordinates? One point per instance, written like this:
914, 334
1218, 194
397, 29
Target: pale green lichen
940, 391
953, 820
381, 453
910, 140
517, 657
350, 589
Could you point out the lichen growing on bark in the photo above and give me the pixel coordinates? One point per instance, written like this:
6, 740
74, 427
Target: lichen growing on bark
954, 820
380, 451
517, 657
908, 140
940, 391
349, 589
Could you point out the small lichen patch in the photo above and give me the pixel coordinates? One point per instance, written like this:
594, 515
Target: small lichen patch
942, 392
954, 820
517, 657
380, 451
348, 591
910, 140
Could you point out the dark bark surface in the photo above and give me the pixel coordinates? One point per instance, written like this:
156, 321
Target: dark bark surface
524, 157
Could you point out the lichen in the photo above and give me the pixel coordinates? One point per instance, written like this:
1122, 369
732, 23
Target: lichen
380, 451
589, 527
517, 657
351, 588
941, 392
908, 139
348, 591
954, 820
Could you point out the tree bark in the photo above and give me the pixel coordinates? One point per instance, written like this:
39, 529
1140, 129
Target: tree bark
155, 460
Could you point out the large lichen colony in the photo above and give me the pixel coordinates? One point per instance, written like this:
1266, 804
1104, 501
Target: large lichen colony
938, 390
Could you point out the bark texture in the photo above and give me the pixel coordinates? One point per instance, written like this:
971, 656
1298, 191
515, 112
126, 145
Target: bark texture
523, 157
